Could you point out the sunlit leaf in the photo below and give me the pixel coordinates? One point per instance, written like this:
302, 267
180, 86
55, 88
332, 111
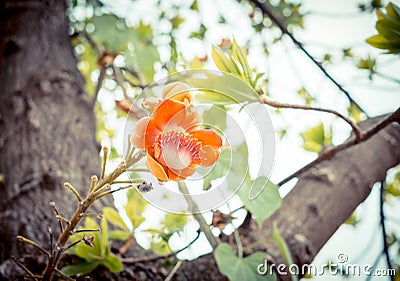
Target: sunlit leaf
240, 55
91, 253
120, 235
135, 207
352, 220
267, 201
303, 93
316, 138
217, 88
82, 267
113, 263
224, 62
239, 269
283, 248
114, 217
107, 33
160, 247
215, 116
388, 27
174, 222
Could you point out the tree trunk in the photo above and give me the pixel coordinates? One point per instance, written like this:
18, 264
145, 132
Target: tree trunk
47, 128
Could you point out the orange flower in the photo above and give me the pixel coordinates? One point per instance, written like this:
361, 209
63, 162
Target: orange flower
178, 91
174, 143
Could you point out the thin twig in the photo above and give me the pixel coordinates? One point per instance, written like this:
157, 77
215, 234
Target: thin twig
104, 162
84, 230
99, 84
34, 244
387, 77
70, 187
198, 216
92, 43
17, 262
51, 239
119, 79
237, 209
266, 10
174, 270
238, 243
329, 153
63, 276
384, 233
53, 205
156, 257
355, 128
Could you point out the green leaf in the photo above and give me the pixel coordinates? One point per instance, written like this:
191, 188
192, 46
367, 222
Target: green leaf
224, 62
217, 88
393, 10
108, 35
114, 217
82, 267
283, 248
216, 116
260, 197
388, 27
380, 42
174, 222
104, 238
239, 269
84, 251
355, 113
113, 263
316, 138
258, 77
303, 93
100, 253
240, 55
352, 220
160, 247
135, 207
120, 235
144, 54
392, 187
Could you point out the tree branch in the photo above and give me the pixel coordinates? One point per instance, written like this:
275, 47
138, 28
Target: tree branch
383, 226
329, 153
354, 127
267, 11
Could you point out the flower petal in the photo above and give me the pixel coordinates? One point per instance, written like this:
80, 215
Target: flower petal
156, 169
208, 155
177, 175
177, 91
166, 111
138, 136
208, 137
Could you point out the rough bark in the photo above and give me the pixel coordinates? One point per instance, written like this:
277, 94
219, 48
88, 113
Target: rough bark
47, 127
